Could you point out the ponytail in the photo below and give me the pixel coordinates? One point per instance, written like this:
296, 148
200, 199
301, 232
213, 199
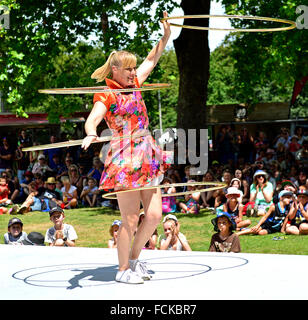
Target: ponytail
116, 58
102, 72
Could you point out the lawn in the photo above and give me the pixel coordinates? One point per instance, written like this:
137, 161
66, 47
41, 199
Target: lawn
92, 227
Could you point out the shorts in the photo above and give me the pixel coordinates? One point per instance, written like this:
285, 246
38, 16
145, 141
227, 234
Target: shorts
37, 204
297, 224
270, 228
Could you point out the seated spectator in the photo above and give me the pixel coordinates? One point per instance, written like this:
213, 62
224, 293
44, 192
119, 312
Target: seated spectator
207, 198
61, 234
39, 182
65, 168
24, 191
69, 193
42, 167
301, 156
74, 176
168, 203
58, 167
224, 240
235, 208
151, 243
273, 220
15, 235
191, 203
41, 200
244, 185
13, 192
297, 220
261, 193
113, 242
89, 193
4, 193
97, 169
173, 239
236, 183
302, 178
294, 146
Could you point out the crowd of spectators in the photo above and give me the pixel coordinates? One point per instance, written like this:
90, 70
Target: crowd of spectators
254, 169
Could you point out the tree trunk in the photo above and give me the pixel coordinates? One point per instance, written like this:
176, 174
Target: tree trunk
192, 51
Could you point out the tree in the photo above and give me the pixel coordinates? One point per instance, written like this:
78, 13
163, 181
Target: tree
41, 31
262, 58
192, 51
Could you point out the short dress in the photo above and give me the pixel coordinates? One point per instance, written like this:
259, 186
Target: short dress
130, 162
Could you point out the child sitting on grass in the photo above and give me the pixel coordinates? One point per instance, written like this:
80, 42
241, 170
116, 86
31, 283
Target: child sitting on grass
297, 220
112, 243
274, 218
173, 239
235, 208
15, 235
61, 234
4, 195
224, 240
191, 204
89, 193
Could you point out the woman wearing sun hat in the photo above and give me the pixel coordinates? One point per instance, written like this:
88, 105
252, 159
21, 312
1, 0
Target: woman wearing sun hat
235, 208
261, 193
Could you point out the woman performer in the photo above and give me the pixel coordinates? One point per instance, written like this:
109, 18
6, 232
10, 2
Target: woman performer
131, 162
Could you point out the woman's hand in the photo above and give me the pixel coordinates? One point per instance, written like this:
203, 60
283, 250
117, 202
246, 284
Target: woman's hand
166, 25
87, 141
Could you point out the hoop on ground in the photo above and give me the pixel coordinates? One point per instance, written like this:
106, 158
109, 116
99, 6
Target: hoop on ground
217, 185
102, 89
291, 23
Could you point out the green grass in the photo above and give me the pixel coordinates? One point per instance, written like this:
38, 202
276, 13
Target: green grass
92, 227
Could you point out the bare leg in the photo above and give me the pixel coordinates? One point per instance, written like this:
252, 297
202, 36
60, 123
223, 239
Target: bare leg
152, 204
129, 205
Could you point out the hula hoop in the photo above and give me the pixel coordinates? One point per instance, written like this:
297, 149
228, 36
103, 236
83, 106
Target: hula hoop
71, 143
218, 185
292, 23
102, 89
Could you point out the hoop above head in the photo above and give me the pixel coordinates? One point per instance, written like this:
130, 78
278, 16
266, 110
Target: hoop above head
291, 23
217, 185
102, 89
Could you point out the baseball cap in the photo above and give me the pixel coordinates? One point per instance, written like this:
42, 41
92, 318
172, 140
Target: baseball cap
34, 239
13, 221
302, 192
55, 209
223, 214
284, 193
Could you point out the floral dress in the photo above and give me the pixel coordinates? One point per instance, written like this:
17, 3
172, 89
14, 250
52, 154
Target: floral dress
130, 162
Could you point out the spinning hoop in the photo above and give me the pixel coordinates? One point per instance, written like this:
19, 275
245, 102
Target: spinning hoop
218, 185
71, 143
102, 89
292, 23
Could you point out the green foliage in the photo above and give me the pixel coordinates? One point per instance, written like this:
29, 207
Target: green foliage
262, 58
40, 47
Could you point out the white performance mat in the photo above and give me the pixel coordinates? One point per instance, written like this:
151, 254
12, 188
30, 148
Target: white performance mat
41, 273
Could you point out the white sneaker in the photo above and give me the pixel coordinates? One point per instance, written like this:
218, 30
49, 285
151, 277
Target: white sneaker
128, 276
140, 268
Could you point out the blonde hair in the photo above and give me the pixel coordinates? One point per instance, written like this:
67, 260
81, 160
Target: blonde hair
121, 58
